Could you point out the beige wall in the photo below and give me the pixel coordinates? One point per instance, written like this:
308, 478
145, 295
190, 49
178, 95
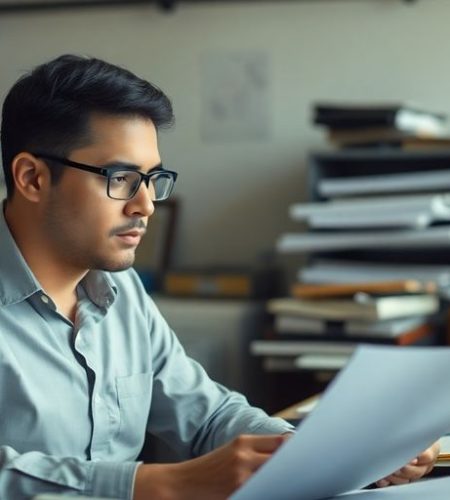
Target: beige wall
235, 195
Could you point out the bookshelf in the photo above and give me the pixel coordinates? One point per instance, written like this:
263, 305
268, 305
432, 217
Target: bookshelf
348, 179
384, 163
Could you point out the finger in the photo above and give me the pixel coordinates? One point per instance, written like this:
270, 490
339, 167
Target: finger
402, 476
429, 468
265, 444
398, 480
257, 460
411, 472
429, 456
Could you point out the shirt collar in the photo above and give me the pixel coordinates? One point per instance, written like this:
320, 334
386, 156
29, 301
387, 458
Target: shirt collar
17, 281
100, 288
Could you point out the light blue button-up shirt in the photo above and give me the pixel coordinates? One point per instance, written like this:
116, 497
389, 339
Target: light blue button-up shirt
76, 400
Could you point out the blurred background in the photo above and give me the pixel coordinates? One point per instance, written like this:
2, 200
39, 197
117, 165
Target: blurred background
244, 77
235, 192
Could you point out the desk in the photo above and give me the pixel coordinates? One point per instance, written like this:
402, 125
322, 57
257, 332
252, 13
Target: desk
298, 410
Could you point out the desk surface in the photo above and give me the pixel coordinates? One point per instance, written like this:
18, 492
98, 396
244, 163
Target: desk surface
292, 413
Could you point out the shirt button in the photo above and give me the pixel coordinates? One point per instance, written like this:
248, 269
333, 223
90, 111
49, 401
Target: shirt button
45, 299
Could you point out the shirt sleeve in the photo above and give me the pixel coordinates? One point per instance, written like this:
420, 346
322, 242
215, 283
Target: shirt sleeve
29, 474
190, 412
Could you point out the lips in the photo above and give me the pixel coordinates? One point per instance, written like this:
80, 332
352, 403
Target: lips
131, 237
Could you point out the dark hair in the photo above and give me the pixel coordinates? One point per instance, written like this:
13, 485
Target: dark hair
49, 108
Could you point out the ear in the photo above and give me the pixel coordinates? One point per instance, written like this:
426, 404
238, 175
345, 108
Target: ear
31, 176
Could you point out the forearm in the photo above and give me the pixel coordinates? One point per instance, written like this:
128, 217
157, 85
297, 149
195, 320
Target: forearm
155, 481
26, 475
214, 476
235, 417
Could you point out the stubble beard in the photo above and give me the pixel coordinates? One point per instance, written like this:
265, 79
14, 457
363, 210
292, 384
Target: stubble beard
103, 264
75, 251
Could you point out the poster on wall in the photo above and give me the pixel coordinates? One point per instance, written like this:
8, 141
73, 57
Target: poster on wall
236, 98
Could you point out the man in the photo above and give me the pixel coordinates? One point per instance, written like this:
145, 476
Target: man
87, 363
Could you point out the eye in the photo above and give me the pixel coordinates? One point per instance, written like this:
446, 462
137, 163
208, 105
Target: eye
122, 177
118, 179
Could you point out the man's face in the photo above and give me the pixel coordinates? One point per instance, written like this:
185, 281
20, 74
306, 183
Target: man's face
86, 229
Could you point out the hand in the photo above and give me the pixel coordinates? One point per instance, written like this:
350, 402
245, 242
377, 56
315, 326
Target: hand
415, 469
214, 476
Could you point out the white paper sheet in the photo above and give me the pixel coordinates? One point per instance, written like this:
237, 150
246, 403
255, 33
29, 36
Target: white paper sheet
382, 410
435, 489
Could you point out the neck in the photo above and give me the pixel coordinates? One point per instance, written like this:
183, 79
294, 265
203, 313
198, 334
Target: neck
54, 274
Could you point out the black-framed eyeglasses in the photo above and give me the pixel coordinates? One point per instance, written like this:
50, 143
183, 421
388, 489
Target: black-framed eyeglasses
123, 182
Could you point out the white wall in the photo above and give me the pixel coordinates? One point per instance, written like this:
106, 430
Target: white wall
235, 195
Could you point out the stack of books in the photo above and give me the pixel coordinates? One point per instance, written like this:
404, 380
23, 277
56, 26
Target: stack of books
358, 125
319, 326
376, 241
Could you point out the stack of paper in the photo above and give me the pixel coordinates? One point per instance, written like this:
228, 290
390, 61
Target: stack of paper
364, 307
382, 410
427, 238
386, 211
353, 271
389, 183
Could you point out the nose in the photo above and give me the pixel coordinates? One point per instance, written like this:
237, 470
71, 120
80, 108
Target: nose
141, 205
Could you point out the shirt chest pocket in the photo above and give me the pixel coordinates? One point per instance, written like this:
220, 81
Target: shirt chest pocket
134, 394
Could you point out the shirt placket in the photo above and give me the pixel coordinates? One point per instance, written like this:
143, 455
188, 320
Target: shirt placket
103, 422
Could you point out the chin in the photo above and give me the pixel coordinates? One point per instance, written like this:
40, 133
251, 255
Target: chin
117, 268
114, 266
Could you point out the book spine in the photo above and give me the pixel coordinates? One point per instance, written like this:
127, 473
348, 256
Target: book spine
225, 286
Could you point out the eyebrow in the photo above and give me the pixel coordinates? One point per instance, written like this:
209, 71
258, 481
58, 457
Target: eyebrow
131, 166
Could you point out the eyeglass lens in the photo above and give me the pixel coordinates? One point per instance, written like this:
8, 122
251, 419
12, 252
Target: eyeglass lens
123, 185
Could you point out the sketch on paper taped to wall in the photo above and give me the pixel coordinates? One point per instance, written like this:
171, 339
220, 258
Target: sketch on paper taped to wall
236, 100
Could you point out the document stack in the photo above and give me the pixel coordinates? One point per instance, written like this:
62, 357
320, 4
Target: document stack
377, 223
394, 124
374, 214
319, 326
386, 407
382, 214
